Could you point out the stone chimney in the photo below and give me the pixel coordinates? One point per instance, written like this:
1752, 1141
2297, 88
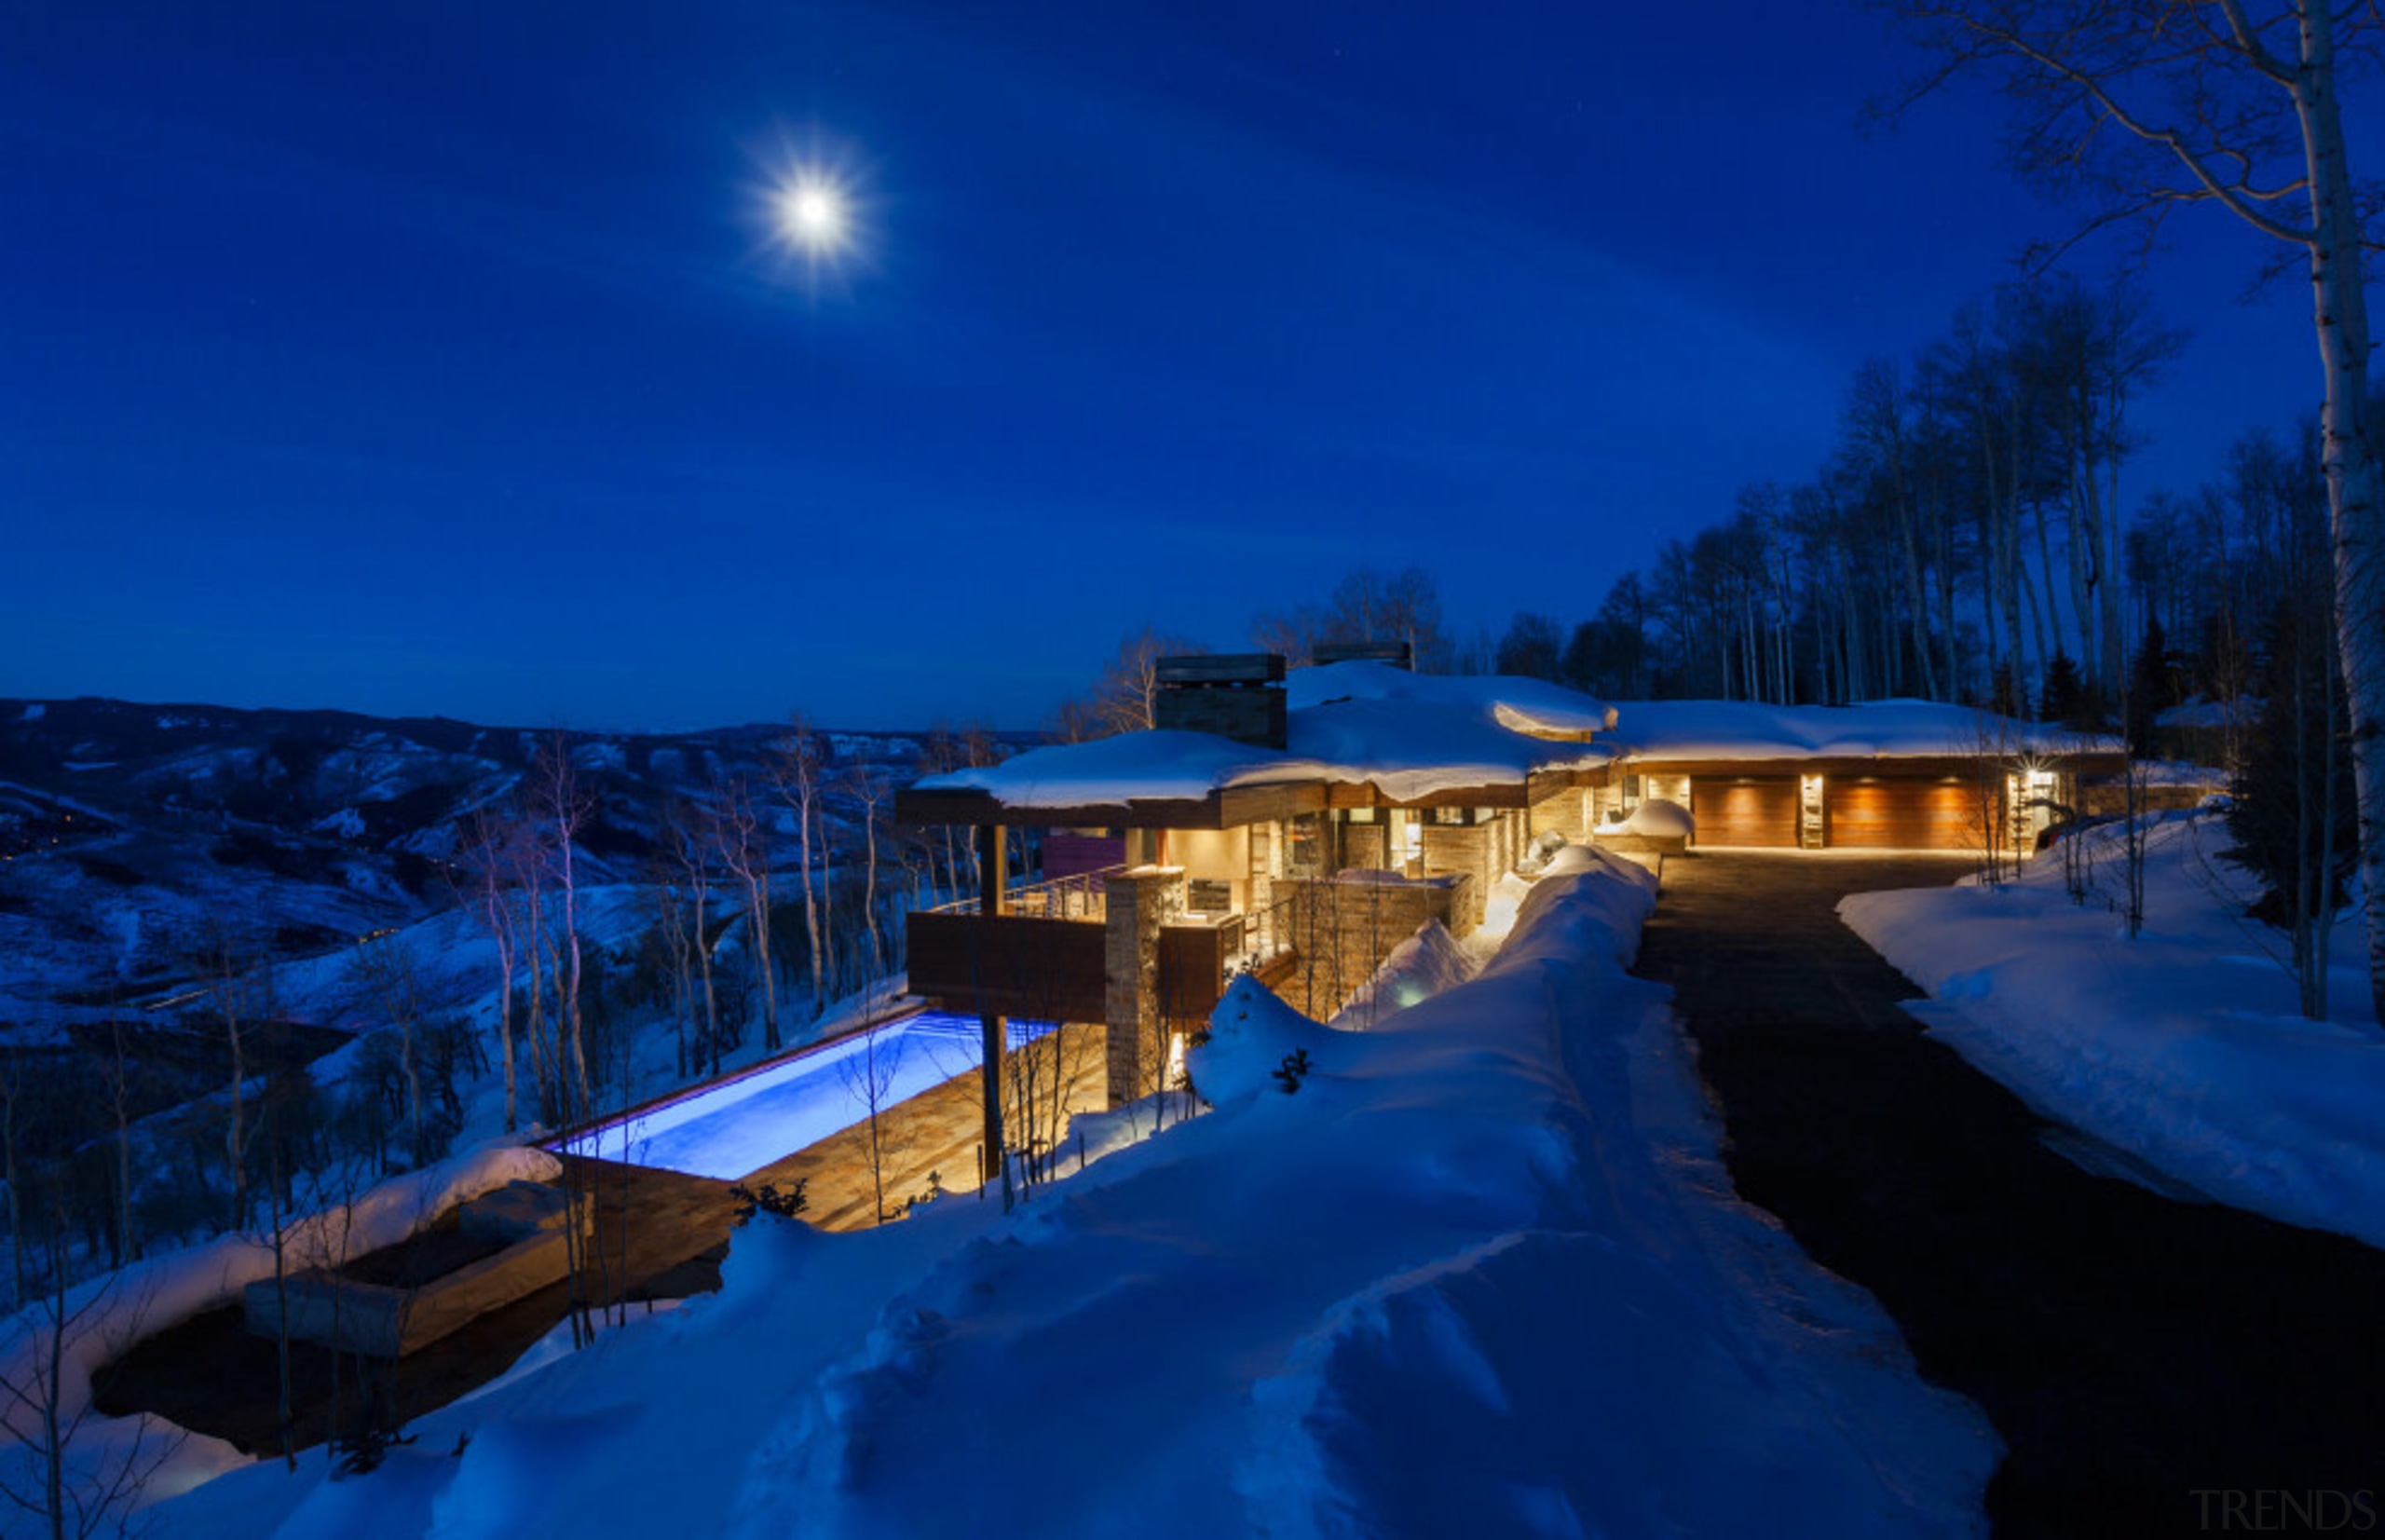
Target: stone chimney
1236, 695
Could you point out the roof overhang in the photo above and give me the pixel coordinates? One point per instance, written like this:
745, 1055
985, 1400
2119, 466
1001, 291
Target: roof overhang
1903, 766
1228, 809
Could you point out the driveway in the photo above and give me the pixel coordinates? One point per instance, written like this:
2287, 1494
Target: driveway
2155, 1365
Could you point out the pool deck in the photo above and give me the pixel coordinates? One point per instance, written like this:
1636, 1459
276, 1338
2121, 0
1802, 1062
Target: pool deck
938, 1131
660, 1235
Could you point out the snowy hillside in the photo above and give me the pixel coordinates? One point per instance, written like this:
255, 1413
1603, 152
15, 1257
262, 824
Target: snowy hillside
1479, 1274
193, 897
137, 841
2181, 1047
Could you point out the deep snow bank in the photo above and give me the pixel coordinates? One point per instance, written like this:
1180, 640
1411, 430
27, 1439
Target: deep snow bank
2182, 1047
1479, 1274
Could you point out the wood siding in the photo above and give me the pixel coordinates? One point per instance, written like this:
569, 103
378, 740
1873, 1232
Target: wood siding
1879, 814
1019, 965
1760, 809
1191, 974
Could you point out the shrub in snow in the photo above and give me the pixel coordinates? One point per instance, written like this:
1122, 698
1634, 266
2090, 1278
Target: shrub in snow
1252, 1035
768, 1199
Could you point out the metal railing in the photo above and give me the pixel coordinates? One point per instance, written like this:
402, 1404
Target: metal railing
1259, 936
1083, 896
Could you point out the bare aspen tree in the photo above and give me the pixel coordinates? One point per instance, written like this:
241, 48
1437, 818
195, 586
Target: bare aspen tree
870, 1078
687, 848
564, 809
40, 1412
227, 990
670, 934
745, 850
869, 788
389, 971
1125, 698
530, 880
121, 1107
2163, 104
799, 769
489, 860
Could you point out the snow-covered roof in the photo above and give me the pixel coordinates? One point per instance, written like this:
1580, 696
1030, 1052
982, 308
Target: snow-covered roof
1416, 735
1411, 735
1694, 730
1524, 705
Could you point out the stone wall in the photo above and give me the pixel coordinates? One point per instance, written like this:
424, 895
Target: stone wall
1465, 849
1140, 902
1342, 931
1567, 813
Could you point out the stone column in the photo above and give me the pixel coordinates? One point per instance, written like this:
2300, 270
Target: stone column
1140, 902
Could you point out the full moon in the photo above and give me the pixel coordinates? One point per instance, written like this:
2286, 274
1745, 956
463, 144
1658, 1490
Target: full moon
814, 216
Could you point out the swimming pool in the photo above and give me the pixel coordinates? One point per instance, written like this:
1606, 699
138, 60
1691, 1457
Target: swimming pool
738, 1127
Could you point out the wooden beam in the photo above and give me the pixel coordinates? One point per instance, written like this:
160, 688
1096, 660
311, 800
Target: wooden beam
1238, 806
1226, 810
1887, 767
993, 877
1366, 794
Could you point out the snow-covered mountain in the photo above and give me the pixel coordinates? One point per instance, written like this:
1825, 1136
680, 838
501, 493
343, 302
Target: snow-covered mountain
138, 840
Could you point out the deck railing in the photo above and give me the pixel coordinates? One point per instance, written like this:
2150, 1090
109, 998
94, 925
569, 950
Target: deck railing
1264, 935
1081, 896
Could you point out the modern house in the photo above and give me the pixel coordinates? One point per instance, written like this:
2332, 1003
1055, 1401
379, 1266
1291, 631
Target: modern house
1911, 775
1298, 825
1297, 833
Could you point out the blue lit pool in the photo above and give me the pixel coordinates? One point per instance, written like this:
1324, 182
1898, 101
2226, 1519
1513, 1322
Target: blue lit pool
740, 1125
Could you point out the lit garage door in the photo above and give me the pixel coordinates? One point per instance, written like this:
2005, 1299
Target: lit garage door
1754, 809
1903, 815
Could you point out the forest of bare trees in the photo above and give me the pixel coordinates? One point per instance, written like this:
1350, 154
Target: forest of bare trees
1964, 532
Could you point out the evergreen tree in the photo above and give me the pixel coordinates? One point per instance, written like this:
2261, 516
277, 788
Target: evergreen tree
2004, 696
2061, 699
2149, 691
2293, 813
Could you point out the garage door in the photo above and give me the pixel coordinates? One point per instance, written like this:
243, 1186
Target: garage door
1903, 815
1757, 809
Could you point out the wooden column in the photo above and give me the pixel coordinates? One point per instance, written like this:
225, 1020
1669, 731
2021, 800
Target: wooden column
992, 878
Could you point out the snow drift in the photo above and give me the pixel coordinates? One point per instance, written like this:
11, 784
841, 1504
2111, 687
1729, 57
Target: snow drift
1478, 1271
2182, 1047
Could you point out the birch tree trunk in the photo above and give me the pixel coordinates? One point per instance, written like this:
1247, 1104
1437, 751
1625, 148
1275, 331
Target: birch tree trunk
2167, 102
2350, 451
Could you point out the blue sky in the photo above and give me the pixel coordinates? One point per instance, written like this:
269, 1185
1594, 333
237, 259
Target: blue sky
441, 359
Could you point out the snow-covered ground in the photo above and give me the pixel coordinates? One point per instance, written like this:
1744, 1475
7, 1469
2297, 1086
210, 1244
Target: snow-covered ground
50, 1351
2182, 1047
1480, 1273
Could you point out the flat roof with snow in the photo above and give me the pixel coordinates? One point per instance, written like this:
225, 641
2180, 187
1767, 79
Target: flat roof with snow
1420, 740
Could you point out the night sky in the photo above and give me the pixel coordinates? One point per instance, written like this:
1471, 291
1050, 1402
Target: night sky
446, 359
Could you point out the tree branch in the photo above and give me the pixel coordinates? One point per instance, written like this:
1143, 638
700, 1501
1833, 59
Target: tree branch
2234, 199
